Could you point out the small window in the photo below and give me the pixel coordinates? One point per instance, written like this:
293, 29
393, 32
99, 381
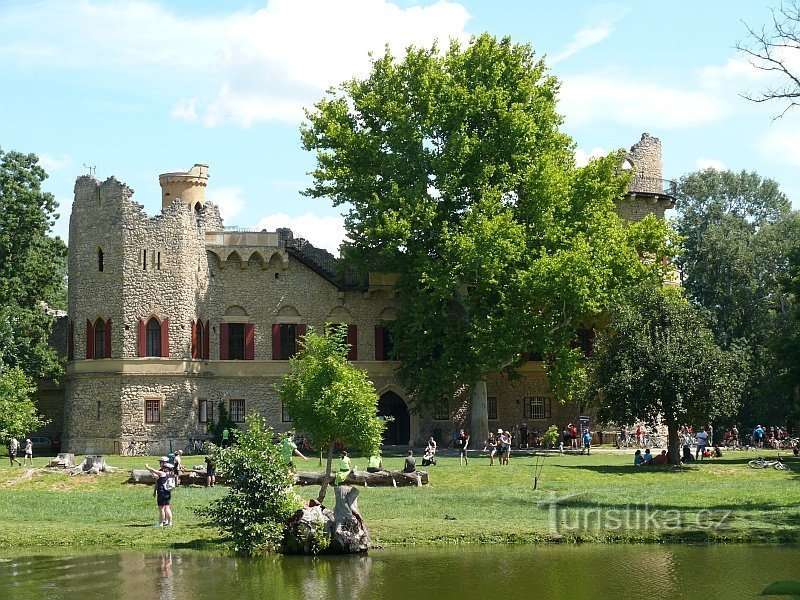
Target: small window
236, 410
98, 410
284, 415
158, 260
205, 411
100, 259
441, 410
491, 407
152, 410
144, 259
153, 345
536, 407
100, 339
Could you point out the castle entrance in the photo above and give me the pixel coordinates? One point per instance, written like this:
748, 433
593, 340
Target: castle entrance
398, 431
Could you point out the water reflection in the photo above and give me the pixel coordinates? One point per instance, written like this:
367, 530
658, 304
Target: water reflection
588, 571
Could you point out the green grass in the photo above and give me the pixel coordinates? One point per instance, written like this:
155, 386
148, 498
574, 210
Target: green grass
490, 504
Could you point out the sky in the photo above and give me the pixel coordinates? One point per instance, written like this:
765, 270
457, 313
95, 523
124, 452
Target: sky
135, 88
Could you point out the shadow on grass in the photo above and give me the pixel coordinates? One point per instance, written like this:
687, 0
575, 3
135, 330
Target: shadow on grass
626, 469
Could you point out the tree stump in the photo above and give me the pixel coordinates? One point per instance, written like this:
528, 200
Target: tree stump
65, 460
92, 465
343, 527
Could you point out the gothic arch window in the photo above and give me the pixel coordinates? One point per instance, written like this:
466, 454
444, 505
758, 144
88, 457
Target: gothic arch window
153, 333
100, 338
153, 337
200, 339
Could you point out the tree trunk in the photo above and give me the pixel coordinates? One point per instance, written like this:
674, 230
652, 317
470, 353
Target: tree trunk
673, 443
325, 482
479, 420
356, 477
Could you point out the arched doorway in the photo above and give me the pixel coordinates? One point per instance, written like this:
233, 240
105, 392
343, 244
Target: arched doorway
398, 431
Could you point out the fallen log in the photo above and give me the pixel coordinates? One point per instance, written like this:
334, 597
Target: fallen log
381, 478
193, 477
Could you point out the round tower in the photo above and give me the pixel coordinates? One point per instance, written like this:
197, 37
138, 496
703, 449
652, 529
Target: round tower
189, 186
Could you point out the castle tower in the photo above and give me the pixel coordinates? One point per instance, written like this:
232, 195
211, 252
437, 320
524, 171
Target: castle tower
189, 186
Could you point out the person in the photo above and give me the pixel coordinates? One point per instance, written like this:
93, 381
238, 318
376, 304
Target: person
163, 495
623, 437
735, 436
495, 446
702, 441
289, 449
758, 436
687, 453
710, 431
796, 449
225, 438
661, 459
428, 458
639, 436
28, 451
638, 459
505, 447
177, 466
462, 444
13, 449
211, 471
717, 453
411, 464
375, 463
587, 441
344, 468
573, 436
523, 436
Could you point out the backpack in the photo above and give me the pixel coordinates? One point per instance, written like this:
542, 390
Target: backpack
170, 484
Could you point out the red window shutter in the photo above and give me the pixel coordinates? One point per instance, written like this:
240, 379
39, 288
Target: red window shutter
276, 341
141, 332
379, 343
352, 339
223, 341
165, 338
89, 339
249, 341
108, 338
195, 353
70, 340
206, 343
300, 333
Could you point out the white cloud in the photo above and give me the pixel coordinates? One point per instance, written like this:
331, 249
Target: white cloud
228, 199
582, 157
52, 163
322, 232
586, 37
710, 163
242, 67
185, 110
610, 97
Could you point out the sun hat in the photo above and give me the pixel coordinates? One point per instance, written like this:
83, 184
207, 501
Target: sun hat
163, 459
499, 431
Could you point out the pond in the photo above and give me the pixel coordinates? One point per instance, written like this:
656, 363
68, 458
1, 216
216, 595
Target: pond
576, 572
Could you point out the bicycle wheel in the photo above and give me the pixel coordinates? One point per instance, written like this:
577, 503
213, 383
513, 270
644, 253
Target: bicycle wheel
780, 466
758, 463
128, 451
189, 450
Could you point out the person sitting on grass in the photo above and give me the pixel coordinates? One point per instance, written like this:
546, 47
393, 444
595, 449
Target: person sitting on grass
648, 458
661, 459
638, 459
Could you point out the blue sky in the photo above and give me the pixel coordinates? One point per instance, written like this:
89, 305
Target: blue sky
135, 88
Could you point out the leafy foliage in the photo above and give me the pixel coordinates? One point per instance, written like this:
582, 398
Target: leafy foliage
458, 178
18, 414
32, 267
260, 499
738, 231
329, 399
658, 361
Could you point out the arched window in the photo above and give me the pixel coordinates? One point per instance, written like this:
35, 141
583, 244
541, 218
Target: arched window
201, 339
153, 343
100, 339
100, 259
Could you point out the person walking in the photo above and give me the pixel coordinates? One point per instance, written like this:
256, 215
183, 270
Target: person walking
163, 491
13, 449
211, 471
702, 442
28, 452
587, 442
463, 444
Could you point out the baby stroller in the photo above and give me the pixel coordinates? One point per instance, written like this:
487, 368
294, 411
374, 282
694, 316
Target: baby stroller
429, 458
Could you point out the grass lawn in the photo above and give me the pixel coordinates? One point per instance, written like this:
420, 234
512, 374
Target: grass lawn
603, 498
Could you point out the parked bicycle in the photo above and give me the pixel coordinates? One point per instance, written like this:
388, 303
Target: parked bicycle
134, 448
195, 446
764, 463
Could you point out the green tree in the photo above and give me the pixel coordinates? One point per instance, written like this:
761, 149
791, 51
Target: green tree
32, 267
457, 177
738, 230
331, 400
18, 414
658, 362
260, 498
789, 344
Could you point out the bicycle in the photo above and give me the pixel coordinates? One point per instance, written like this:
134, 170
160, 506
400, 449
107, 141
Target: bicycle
763, 463
137, 448
195, 446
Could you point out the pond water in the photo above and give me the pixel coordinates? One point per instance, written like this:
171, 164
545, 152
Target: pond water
576, 572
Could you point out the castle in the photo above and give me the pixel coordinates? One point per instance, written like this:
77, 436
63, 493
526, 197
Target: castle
171, 315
